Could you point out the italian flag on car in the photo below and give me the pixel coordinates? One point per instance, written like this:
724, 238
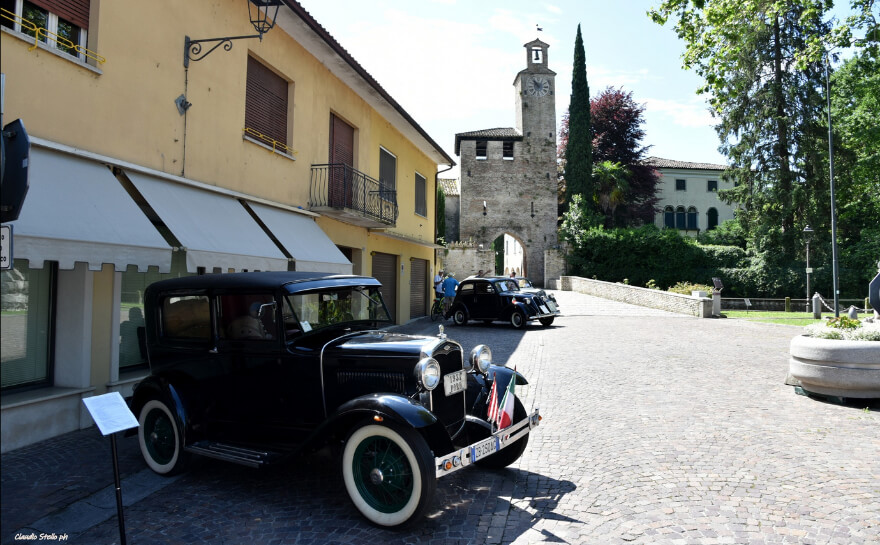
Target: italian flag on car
502, 414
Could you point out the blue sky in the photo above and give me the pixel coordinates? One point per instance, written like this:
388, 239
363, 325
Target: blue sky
451, 63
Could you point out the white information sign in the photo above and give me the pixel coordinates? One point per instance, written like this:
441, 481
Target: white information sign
5, 247
110, 413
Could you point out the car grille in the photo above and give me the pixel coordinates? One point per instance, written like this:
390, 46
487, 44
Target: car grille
361, 382
449, 409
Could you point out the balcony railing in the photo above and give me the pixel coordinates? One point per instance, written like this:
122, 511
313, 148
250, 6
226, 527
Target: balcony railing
337, 186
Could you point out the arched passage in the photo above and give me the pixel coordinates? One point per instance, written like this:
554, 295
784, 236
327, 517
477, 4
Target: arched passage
510, 255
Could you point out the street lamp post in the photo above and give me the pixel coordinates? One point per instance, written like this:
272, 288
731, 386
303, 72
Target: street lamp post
833, 210
808, 233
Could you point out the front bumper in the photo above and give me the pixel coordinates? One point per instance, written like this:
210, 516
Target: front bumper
465, 456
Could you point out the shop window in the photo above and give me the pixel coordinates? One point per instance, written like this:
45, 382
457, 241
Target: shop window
60, 24
27, 302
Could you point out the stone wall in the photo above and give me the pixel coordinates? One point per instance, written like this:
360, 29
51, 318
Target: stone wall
700, 307
466, 259
554, 267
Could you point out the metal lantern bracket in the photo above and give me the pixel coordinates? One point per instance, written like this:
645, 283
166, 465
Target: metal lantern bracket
260, 19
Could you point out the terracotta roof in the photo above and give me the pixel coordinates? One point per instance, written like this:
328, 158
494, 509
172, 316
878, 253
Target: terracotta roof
449, 186
658, 162
500, 133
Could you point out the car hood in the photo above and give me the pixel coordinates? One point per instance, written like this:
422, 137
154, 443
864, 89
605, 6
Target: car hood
381, 343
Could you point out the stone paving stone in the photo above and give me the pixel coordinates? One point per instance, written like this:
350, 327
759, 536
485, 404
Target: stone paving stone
657, 428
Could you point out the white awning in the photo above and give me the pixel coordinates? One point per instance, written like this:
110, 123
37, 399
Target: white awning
215, 230
304, 240
77, 211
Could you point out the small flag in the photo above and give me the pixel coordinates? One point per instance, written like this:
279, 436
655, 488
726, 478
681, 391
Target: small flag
492, 414
505, 411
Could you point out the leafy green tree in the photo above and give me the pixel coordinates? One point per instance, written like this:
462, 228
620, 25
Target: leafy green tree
441, 214
768, 106
578, 143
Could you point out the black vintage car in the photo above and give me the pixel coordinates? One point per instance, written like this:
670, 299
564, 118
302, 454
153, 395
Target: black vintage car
526, 286
255, 367
499, 298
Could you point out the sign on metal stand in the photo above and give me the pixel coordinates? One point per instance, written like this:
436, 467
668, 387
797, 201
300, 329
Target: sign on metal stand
112, 415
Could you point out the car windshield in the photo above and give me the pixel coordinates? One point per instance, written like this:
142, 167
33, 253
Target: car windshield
314, 310
506, 285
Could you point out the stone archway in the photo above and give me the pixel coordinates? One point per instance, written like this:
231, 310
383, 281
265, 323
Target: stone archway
511, 255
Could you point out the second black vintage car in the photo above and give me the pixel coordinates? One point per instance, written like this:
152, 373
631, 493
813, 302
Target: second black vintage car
499, 298
254, 367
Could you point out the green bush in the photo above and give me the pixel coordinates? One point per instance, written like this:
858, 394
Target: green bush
686, 288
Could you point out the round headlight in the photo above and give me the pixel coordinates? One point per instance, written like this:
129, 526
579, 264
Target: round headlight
428, 373
481, 357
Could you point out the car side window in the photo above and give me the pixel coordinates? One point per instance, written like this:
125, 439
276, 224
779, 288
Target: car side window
485, 287
466, 289
186, 317
246, 317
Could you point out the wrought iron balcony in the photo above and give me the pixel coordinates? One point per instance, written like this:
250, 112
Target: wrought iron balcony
349, 195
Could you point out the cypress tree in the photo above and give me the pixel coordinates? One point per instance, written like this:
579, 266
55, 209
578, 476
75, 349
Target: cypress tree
579, 149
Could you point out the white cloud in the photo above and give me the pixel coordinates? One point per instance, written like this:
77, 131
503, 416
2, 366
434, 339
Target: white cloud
685, 114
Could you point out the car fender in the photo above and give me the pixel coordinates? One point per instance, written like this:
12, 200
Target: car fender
158, 388
512, 307
456, 306
477, 397
397, 408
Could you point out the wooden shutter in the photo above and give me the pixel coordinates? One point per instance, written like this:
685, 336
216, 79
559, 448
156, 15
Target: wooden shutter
385, 271
418, 289
75, 11
421, 195
266, 102
341, 152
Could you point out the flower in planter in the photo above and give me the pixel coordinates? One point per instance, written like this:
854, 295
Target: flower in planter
844, 328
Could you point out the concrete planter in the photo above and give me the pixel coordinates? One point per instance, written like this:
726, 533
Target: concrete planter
836, 368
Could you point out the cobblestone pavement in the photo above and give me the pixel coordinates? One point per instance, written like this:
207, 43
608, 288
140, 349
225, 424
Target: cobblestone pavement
657, 429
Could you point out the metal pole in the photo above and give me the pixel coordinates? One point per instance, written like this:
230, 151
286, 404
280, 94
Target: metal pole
808, 276
833, 205
119, 513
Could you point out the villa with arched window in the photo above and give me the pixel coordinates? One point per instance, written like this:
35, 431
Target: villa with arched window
688, 195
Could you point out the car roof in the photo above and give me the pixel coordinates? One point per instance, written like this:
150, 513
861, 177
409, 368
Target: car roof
293, 281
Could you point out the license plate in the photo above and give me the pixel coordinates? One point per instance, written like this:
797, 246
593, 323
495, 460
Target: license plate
455, 382
552, 306
545, 310
484, 448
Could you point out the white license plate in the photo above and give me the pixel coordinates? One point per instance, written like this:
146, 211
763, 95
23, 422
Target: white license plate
455, 382
552, 306
545, 310
484, 448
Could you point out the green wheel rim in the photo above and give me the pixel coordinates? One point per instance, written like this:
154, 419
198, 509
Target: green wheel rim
159, 437
382, 474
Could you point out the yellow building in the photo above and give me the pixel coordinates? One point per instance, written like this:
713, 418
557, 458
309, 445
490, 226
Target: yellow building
157, 148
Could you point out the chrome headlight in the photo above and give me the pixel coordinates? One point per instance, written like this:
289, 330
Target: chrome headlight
428, 373
481, 357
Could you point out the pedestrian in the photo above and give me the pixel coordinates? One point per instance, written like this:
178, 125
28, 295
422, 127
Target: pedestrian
438, 284
449, 287
480, 273
513, 274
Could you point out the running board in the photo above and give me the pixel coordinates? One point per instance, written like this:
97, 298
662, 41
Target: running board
231, 453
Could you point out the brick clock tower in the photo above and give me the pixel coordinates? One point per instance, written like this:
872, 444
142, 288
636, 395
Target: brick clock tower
508, 175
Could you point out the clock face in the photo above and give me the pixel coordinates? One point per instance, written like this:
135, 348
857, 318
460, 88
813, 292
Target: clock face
538, 86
